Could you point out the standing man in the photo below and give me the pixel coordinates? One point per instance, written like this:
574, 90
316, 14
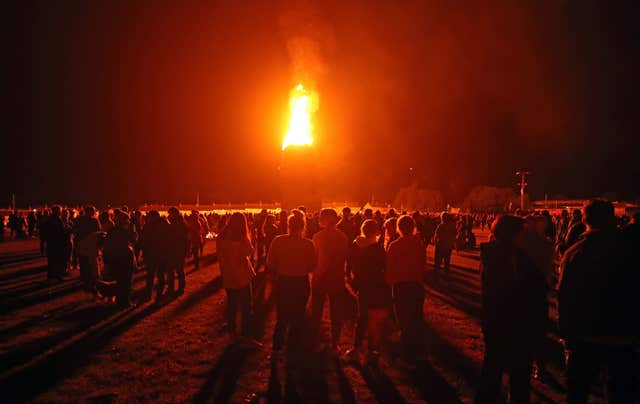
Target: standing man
332, 248
178, 240
406, 262
85, 240
153, 242
598, 303
347, 226
54, 236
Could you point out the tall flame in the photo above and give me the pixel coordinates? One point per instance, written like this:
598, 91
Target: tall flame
303, 104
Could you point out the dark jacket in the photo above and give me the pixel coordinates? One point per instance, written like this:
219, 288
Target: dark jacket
514, 304
367, 264
178, 241
598, 292
154, 241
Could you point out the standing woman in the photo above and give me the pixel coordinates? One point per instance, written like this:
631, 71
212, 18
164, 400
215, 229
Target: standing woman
366, 265
234, 251
291, 258
514, 311
406, 262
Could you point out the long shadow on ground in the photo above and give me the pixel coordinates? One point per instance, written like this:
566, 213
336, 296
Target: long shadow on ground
28, 380
221, 382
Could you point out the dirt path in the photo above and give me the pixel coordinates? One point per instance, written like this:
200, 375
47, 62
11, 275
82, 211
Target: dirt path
61, 346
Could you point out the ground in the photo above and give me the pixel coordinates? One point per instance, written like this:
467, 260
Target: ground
58, 344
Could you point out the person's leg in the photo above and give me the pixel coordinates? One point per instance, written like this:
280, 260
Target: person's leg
375, 319
520, 378
447, 259
246, 300
622, 375
402, 306
282, 313
437, 259
171, 273
317, 307
123, 285
336, 309
582, 368
298, 304
196, 255
232, 309
162, 279
361, 323
83, 262
490, 379
181, 276
92, 274
151, 274
415, 293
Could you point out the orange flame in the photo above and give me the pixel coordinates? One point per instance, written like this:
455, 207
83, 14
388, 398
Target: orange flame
303, 104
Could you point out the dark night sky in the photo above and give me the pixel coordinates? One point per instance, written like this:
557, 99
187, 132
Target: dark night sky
153, 101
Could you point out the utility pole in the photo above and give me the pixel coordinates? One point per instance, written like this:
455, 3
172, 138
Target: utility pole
523, 183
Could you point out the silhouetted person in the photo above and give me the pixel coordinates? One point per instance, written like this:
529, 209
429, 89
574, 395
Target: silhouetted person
366, 264
331, 247
104, 218
514, 312
118, 258
195, 236
406, 261
55, 236
154, 243
269, 232
598, 308
444, 240
31, 224
538, 247
85, 232
346, 224
390, 232
576, 228
291, 258
178, 242
234, 251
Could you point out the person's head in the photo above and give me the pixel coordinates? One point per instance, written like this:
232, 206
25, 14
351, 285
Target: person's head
237, 228
121, 218
195, 213
328, 218
576, 215
89, 211
390, 226
270, 220
406, 225
537, 224
173, 212
445, 217
153, 216
56, 210
508, 229
599, 215
295, 224
346, 212
104, 216
368, 213
369, 229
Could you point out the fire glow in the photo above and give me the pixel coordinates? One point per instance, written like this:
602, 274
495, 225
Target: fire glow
303, 104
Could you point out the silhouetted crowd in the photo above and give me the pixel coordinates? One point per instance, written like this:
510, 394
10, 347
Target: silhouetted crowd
371, 266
